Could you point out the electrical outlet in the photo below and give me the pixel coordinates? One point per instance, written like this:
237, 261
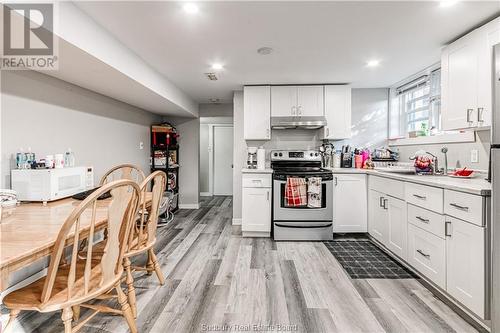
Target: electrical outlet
474, 156
141, 145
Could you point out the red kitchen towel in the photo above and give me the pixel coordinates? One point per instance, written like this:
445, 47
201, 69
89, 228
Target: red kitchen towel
295, 192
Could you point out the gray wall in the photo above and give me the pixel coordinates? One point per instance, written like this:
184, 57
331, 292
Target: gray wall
189, 160
216, 110
204, 165
50, 116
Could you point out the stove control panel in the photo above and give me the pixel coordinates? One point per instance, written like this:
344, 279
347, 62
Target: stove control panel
295, 155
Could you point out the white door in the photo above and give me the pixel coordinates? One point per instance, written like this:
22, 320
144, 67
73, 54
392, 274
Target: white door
377, 219
257, 112
337, 112
283, 101
398, 231
310, 101
350, 204
465, 264
223, 160
256, 209
460, 80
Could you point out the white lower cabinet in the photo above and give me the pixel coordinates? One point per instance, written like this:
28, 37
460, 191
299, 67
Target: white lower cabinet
256, 206
397, 231
387, 222
427, 254
465, 264
440, 233
349, 203
377, 218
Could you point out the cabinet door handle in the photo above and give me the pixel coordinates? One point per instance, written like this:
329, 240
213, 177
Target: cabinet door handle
385, 204
267, 194
327, 132
421, 219
336, 181
469, 115
421, 197
381, 202
446, 224
457, 206
424, 254
480, 115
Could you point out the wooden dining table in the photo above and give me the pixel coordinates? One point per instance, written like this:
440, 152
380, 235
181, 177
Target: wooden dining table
29, 231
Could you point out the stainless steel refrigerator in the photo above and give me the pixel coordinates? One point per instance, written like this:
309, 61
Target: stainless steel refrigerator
495, 179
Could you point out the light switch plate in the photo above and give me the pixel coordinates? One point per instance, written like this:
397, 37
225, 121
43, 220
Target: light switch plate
474, 156
141, 145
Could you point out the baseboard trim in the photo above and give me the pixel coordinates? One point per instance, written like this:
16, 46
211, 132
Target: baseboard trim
236, 221
205, 194
189, 206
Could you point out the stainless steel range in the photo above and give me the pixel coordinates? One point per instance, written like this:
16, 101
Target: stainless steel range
301, 222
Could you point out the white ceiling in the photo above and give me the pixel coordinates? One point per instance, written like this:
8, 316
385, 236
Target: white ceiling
313, 42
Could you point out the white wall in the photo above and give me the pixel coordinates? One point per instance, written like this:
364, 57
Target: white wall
456, 152
239, 154
50, 116
369, 120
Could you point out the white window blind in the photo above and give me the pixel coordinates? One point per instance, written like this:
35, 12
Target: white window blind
416, 106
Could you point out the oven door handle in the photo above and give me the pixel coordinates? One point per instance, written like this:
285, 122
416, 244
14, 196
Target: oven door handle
303, 226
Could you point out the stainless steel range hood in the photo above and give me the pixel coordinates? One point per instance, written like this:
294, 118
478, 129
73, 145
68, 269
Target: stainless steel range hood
311, 123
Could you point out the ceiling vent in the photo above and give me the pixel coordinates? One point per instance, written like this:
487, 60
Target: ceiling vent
214, 100
211, 76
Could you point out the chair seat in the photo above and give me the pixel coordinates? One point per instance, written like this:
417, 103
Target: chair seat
29, 297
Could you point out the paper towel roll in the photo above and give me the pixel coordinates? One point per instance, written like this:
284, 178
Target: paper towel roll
261, 158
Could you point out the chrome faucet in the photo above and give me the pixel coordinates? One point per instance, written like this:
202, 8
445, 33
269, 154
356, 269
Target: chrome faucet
435, 164
444, 150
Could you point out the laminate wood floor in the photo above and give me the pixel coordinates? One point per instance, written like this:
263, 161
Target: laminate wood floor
218, 281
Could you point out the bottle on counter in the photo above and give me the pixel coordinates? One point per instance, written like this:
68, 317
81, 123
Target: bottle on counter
69, 159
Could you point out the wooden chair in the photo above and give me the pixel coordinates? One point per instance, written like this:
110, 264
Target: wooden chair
71, 282
123, 171
143, 236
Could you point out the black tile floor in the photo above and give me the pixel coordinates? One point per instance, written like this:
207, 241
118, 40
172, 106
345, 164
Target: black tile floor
362, 259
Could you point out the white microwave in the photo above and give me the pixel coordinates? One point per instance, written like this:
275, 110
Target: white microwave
51, 184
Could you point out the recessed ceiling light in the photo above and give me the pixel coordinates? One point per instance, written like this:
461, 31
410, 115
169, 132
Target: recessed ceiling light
373, 63
447, 3
217, 66
264, 50
190, 8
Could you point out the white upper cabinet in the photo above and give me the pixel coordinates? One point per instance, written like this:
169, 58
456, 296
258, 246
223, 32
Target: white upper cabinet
466, 78
297, 101
337, 112
283, 101
257, 112
310, 101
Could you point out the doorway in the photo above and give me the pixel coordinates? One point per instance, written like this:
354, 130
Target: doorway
222, 160
216, 157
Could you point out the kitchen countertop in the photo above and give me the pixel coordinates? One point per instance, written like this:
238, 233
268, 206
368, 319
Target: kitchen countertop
266, 170
477, 185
